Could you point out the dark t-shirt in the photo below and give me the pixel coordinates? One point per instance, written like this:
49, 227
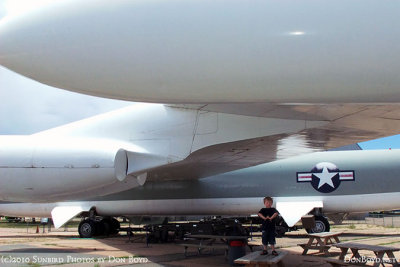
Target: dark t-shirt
268, 225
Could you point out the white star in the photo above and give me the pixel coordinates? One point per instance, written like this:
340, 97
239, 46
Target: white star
325, 177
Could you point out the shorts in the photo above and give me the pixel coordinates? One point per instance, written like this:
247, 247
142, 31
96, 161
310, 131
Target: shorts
268, 237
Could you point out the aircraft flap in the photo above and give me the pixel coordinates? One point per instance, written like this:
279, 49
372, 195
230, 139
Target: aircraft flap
293, 211
63, 214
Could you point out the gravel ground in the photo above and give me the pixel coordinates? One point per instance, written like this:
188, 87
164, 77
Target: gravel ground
21, 246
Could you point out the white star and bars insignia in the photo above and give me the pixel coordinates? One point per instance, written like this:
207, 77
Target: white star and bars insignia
325, 177
307, 177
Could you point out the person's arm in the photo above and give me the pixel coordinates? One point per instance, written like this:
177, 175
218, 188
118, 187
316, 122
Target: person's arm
273, 216
262, 216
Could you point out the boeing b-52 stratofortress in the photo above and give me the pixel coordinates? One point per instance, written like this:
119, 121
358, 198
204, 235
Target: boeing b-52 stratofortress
254, 90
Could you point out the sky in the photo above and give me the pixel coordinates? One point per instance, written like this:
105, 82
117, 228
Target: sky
390, 142
28, 106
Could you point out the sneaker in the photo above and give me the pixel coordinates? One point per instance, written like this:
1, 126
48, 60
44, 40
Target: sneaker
274, 253
264, 252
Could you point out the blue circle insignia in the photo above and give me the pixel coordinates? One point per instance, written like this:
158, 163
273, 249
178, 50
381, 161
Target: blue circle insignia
325, 177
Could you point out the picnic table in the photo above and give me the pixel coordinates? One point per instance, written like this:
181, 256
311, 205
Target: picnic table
379, 252
211, 242
255, 259
321, 241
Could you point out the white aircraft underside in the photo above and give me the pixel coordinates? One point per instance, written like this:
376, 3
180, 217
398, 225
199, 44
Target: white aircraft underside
211, 51
291, 208
246, 82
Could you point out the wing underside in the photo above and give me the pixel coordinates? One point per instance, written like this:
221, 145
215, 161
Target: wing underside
340, 125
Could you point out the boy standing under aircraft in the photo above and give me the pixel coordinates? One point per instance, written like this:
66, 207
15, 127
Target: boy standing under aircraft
268, 214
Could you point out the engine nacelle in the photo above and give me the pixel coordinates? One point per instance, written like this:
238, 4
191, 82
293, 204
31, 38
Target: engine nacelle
37, 170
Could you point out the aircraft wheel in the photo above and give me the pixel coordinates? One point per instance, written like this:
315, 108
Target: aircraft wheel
103, 227
87, 229
321, 225
164, 236
115, 225
281, 227
280, 231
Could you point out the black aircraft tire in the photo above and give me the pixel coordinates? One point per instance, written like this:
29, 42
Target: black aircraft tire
164, 236
281, 227
87, 229
280, 231
104, 227
321, 225
115, 225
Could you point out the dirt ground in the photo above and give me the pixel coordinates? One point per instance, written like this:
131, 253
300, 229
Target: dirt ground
22, 246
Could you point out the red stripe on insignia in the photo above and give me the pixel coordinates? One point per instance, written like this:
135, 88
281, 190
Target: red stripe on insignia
305, 177
346, 176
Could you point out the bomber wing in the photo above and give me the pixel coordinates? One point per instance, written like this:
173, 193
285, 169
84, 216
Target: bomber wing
339, 125
195, 141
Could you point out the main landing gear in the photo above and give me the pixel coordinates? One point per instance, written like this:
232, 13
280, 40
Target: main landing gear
321, 225
98, 227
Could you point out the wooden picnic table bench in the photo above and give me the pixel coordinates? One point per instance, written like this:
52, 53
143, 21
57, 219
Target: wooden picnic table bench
211, 242
223, 238
321, 241
215, 237
201, 247
255, 259
337, 262
379, 252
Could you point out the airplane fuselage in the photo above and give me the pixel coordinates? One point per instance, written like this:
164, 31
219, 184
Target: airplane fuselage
360, 181
363, 181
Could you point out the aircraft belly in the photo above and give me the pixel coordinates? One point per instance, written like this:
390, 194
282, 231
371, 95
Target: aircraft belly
245, 206
211, 206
